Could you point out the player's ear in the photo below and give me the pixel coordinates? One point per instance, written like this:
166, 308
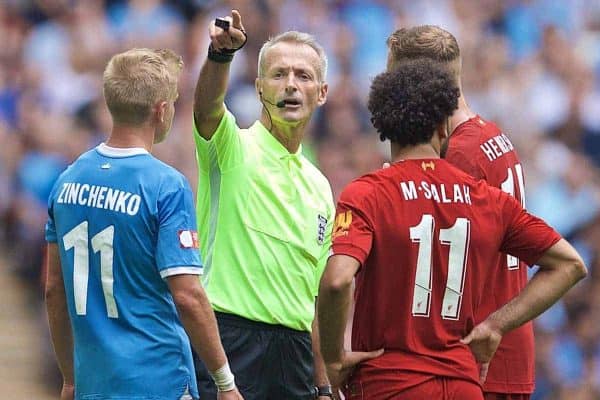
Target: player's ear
443, 130
322, 93
258, 86
440, 136
390, 64
160, 110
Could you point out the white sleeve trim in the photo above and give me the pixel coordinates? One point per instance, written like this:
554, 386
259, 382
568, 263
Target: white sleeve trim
165, 273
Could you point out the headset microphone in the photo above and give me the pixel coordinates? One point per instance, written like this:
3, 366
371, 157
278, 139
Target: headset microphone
279, 104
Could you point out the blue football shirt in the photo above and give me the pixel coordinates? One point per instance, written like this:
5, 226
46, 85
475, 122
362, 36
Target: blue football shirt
124, 221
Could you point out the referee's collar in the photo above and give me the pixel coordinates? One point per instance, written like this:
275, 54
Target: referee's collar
268, 142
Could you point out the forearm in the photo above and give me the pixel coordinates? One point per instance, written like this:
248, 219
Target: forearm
543, 290
333, 305
60, 331
200, 323
209, 96
320, 374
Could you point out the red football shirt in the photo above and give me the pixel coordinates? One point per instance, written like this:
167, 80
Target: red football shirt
480, 149
424, 233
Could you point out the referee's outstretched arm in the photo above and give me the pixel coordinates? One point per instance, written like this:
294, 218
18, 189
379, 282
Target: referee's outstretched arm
214, 75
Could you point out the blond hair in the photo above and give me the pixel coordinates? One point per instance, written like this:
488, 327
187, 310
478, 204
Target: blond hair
136, 79
425, 41
298, 38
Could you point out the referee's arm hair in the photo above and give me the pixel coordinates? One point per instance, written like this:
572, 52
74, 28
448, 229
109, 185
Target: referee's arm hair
212, 82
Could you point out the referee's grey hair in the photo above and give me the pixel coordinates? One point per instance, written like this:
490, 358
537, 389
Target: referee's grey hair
294, 37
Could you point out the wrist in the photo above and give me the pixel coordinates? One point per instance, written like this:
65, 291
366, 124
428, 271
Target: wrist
219, 56
323, 391
224, 56
223, 378
495, 325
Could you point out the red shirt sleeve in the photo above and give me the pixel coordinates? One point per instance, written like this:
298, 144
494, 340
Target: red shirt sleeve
526, 236
353, 227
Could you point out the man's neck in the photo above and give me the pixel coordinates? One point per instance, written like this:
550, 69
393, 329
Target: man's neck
462, 114
125, 136
424, 150
289, 135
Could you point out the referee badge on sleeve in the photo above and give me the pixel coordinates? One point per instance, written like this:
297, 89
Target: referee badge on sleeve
321, 227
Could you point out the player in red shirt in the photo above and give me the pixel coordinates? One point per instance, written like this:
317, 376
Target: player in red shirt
480, 149
421, 237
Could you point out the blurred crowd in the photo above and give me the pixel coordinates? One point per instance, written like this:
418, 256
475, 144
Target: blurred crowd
531, 66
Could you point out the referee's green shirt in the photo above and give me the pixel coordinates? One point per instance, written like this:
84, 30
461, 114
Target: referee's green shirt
265, 219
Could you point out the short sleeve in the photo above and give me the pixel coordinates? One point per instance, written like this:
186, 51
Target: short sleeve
177, 247
326, 249
224, 150
50, 230
353, 228
526, 236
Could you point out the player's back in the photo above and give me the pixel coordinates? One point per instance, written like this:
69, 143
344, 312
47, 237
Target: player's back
479, 148
107, 208
434, 231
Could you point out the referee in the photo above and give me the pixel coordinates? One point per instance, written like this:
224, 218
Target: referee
265, 215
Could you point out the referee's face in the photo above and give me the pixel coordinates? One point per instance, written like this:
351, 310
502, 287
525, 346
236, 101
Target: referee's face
291, 78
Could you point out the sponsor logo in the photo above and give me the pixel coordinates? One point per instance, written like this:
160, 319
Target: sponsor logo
426, 165
321, 227
342, 224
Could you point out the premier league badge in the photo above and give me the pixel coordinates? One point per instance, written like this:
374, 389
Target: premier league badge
321, 226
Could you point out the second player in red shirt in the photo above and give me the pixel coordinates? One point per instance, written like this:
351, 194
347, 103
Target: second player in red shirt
422, 238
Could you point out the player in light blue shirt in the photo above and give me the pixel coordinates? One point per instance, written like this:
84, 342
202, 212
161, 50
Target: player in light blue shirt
123, 254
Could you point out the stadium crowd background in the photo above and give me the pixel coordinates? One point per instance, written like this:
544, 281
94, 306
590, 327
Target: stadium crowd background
531, 66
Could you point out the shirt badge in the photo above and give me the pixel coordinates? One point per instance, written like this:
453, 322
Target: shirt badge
321, 227
188, 239
426, 165
342, 224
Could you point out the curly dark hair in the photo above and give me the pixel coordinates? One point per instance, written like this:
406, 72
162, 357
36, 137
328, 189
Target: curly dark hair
407, 105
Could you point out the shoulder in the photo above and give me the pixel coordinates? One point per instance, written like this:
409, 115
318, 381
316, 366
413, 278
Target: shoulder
169, 177
80, 162
314, 174
363, 188
494, 197
225, 128
457, 171
471, 133
90, 155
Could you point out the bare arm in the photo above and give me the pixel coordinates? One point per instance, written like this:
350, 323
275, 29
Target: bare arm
320, 375
214, 78
198, 319
561, 268
200, 324
58, 319
335, 296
